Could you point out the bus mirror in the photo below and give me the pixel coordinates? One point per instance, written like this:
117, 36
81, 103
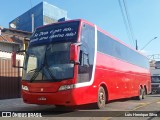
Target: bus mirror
13, 59
74, 53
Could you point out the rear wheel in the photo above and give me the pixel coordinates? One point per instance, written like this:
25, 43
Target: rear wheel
140, 96
144, 93
101, 102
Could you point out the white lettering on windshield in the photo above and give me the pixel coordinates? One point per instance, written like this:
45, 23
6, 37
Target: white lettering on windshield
54, 33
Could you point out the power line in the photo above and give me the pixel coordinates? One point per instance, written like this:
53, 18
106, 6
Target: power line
124, 20
31, 3
129, 21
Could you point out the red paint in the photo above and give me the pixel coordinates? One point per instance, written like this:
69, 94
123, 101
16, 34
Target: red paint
73, 52
53, 96
121, 79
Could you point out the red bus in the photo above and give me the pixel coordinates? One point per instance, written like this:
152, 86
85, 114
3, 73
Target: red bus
75, 62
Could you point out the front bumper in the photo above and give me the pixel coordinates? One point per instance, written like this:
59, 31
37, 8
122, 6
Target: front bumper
66, 98
77, 96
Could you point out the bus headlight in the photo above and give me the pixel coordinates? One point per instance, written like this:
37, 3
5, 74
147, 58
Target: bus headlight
25, 88
66, 87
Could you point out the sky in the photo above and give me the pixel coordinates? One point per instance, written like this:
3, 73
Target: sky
144, 17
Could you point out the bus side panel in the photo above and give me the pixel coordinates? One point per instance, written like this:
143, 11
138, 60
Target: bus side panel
122, 78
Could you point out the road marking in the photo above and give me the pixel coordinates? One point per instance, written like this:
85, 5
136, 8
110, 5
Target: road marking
136, 108
158, 102
139, 106
107, 118
143, 105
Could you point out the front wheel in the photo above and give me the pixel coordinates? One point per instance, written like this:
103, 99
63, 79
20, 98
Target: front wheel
101, 102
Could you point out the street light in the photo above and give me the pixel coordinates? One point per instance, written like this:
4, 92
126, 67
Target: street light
149, 42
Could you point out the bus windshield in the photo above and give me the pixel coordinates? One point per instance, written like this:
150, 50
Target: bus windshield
48, 62
155, 79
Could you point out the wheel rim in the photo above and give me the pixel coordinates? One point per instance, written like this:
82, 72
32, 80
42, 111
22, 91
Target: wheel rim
144, 94
141, 93
140, 97
102, 99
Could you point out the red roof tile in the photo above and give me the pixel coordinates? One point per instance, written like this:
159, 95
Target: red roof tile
6, 39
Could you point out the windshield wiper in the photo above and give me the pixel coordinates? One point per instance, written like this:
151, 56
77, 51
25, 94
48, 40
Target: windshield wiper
33, 70
50, 73
45, 65
35, 74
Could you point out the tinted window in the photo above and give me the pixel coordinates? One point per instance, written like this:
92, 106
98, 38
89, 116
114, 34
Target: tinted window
86, 56
113, 48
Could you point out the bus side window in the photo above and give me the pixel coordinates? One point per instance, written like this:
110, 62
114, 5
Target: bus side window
84, 62
80, 57
86, 55
83, 59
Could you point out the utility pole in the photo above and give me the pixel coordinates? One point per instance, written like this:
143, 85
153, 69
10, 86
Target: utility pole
136, 45
32, 22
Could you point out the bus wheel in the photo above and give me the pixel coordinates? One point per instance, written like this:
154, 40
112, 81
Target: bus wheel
140, 94
101, 98
144, 93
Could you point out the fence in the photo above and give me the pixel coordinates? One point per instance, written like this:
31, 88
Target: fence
10, 85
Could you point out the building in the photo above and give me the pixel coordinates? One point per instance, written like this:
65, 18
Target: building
42, 14
10, 40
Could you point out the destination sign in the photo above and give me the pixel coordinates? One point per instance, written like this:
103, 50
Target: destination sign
56, 33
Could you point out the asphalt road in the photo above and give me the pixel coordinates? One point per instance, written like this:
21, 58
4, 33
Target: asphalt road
114, 110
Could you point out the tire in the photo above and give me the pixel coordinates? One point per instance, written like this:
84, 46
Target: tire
144, 93
101, 102
140, 96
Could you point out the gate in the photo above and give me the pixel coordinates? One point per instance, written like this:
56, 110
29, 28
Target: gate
10, 80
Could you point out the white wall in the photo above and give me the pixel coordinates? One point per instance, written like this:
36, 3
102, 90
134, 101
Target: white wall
6, 55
